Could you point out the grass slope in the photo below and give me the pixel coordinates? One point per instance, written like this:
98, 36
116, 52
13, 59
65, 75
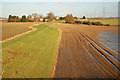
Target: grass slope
31, 55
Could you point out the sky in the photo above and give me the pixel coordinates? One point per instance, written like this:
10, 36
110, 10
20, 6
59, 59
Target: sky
60, 0
77, 8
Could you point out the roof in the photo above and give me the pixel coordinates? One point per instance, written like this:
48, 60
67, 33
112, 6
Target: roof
30, 18
42, 18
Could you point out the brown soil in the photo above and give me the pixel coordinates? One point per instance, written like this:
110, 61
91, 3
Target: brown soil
31, 29
80, 57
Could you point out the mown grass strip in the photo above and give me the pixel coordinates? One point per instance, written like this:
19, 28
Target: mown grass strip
31, 55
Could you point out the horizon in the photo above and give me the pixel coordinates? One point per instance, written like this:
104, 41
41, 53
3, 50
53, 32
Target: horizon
78, 9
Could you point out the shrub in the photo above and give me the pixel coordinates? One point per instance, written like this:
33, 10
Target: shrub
69, 19
84, 17
106, 24
62, 18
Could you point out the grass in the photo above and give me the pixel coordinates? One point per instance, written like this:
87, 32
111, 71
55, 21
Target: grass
31, 55
106, 21
59, 21
14, 28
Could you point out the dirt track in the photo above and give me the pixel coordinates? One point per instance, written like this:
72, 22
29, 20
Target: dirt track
81, 56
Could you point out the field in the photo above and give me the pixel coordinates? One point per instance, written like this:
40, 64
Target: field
106, 21
80, 54
12, 29
31, 55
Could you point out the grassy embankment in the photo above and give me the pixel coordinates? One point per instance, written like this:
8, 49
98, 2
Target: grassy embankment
31, 55
106, 21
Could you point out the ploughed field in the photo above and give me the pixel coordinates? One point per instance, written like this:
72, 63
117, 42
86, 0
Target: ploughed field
82, 56
14, 28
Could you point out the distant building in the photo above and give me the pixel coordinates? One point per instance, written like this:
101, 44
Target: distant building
41, 19
30, 19
46, 19
57, 17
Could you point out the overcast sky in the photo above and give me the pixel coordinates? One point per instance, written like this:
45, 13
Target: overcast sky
60, 0
79, 9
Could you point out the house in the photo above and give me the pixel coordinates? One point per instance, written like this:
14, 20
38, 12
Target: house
30, 19
46, 19
41, 19
57, 17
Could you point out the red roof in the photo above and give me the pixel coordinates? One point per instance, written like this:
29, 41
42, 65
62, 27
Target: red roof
30, 18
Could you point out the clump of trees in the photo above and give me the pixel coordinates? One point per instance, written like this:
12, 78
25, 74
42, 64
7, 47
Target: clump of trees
13, 19
69, 18
16, 19
36, 17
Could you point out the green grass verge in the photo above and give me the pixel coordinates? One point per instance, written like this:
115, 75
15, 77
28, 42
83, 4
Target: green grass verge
31, 55
106, 21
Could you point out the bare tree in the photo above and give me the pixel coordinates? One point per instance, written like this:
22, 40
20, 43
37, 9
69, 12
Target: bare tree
29, 16
34, 15
40, 15
50, 16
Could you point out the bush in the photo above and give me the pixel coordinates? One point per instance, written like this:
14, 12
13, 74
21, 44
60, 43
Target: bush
69, 19
106, 24
62, 18
86, 22
84, 17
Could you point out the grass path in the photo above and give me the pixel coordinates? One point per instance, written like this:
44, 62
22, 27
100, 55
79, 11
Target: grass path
31, 55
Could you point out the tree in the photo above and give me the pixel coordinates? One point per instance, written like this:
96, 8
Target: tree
23, 18
34, 15
40, 15
69, 18
50, 16
9, 19
62, 18
29, 16
84, 17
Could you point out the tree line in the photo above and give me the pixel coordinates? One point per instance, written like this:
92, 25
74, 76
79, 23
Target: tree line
35, 18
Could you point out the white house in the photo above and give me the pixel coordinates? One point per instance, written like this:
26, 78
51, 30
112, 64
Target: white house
46, 20
41, 19
57, 17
